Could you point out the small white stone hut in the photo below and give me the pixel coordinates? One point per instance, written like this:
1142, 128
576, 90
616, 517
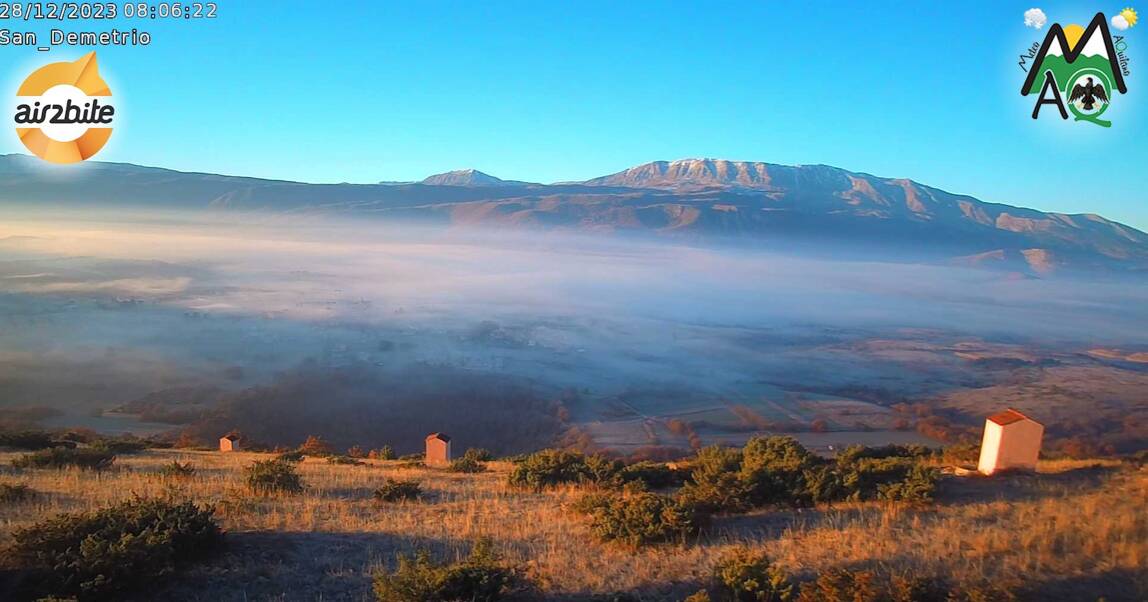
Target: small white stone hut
1011, 442
229, 443
438, 449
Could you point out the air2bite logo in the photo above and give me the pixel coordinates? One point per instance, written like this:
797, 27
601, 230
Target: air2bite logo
64, 112
1077, 70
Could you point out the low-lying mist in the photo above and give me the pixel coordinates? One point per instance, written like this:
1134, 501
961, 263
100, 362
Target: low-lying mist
99, 310
373, 272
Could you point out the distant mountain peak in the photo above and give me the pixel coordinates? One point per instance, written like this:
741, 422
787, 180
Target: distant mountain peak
699, 199
467, 177
706, 173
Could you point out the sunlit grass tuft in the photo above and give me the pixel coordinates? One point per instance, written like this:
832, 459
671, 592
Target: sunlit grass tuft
1013, 529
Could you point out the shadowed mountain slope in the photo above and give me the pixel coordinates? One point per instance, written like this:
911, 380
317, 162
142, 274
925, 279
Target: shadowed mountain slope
696, 200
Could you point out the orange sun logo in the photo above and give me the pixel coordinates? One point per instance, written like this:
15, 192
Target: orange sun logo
63, 114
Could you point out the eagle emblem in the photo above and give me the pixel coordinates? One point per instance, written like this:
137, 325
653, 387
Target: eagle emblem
1089, 94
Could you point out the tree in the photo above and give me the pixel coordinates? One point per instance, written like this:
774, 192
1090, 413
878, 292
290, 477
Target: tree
314, 446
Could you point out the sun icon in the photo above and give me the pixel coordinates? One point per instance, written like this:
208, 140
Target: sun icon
1129, 15
1072, 34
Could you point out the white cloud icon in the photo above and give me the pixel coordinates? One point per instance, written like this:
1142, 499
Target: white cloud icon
1035, 18
1121, 23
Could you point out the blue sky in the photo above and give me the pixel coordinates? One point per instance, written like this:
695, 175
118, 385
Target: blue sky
549, 91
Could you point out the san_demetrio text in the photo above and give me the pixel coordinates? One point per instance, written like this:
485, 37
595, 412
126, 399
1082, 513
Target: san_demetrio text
59, 37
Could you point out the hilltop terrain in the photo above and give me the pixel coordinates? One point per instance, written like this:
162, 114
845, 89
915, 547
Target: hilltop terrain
1075, 531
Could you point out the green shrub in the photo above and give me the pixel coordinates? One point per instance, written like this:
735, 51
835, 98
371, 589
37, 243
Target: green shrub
642, 518
857, 452
654, 475
468, 465
774, 471
749, 576
290, 456
394, 490
589, 503
966, 453
479, 454
843, 585
272, 476
824, 484
549, 468
29, 440
482, 577
715, 483
344, 460
610, 472
11, 494
603, 471
838, 585
178, 470
779, 471
918, 486
776, 453
863, 478
891, 472
767, 471
99, 554
120, 445
383, 453
62, 457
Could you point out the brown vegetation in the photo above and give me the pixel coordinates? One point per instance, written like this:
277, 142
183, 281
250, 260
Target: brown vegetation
1075, 529
1088, 409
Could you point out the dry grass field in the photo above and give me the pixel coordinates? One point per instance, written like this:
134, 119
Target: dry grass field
1074, 531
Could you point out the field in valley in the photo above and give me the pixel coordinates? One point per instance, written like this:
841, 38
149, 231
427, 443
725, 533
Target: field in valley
627, 345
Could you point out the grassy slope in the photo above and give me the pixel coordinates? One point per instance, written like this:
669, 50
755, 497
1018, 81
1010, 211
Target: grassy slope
1079, 528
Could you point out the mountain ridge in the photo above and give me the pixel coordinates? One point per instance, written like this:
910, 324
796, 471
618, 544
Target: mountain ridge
695, 200
469, 177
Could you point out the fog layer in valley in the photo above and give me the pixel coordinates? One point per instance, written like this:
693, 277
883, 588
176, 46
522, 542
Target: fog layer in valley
598, 338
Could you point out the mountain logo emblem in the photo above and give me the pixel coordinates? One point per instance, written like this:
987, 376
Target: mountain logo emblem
1077, 70
63, 111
